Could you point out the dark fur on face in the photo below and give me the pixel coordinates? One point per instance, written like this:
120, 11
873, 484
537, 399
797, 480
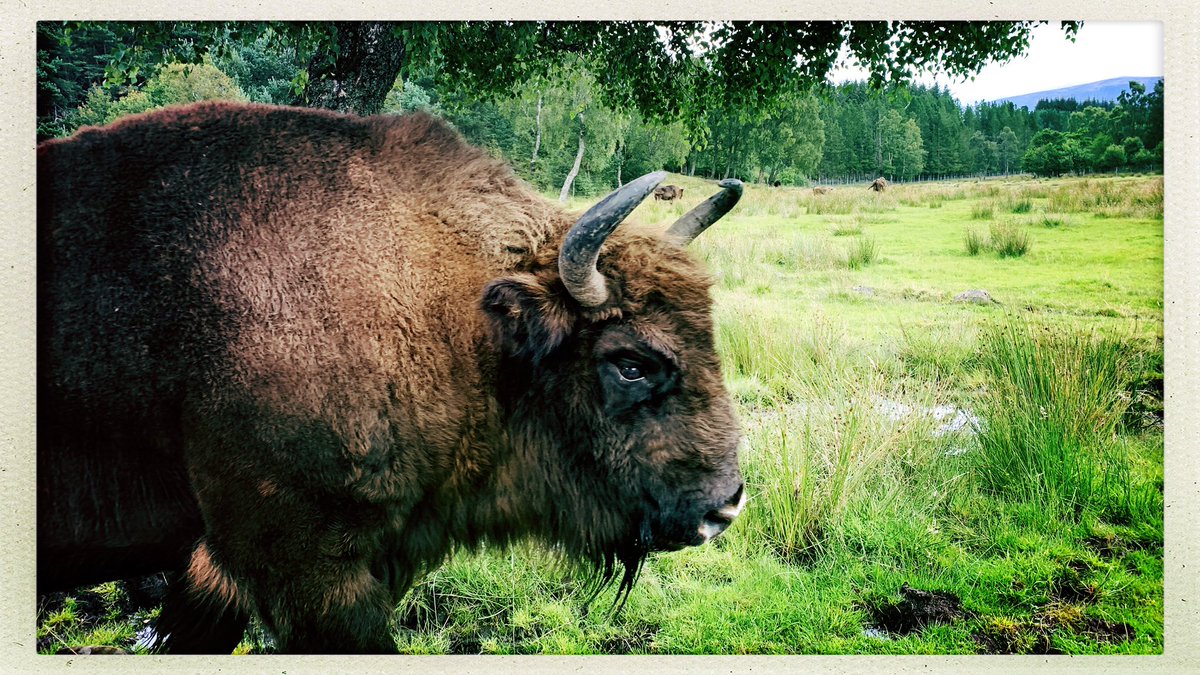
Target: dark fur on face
639, 383
299, 357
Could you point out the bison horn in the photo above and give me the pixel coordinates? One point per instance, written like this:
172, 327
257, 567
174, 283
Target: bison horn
581, 248
692, 223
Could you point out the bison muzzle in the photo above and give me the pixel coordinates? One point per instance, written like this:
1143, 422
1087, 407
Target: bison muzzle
299, 357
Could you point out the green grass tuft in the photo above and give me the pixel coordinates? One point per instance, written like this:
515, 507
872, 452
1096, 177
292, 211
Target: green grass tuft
975, 242
861, 253
983, 211
1050, 221
805, 462
1009, 240
1053, 403
844, 229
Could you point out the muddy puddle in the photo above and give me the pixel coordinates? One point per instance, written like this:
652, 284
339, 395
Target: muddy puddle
953, 422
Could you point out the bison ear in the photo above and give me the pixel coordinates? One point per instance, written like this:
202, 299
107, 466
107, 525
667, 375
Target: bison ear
528, 321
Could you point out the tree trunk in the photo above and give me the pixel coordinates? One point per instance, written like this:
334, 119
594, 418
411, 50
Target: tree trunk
878, 148
566, 188
357, 75
620, 161
537, 139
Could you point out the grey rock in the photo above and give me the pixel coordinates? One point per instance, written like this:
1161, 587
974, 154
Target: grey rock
976, 297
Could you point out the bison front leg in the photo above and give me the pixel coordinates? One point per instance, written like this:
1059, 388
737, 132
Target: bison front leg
312, 582
330, 609
200, 615
311, 606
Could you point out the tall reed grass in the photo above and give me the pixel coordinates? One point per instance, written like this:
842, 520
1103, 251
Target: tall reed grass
975, 242
1133, 198
1051, 221
983, 211
933, 356
861, 252
1053, 401
748, 261
765, 355
834, 203
933, 195
846, 228
1009, 240
1031, 191
804, 463
1021, 205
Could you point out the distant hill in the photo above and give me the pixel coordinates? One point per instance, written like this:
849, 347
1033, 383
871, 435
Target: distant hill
1104, 90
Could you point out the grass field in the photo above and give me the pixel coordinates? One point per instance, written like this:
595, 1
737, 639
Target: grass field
927, 475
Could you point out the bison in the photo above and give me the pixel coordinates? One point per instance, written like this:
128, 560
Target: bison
298, 357
878, 185
668, 193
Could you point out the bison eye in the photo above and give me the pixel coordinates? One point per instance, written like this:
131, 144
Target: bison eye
631, 379
631, 373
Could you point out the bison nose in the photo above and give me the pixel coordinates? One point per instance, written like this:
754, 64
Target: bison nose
717, 520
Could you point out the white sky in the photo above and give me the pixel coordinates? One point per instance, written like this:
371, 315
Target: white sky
1102, 50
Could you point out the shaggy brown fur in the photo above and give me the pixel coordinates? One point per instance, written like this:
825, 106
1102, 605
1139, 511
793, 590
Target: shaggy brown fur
298, 356
879, 184
668, 193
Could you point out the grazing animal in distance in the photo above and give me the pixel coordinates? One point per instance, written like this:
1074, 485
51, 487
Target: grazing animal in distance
821, 190
298, 357
668, 193
879, 184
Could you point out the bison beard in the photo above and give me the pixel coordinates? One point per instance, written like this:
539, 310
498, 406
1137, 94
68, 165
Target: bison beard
298, 357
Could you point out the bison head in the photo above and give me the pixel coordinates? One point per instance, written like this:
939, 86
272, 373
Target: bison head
624, 440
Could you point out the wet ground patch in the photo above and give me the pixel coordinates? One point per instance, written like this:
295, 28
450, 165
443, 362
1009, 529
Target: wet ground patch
916, 610
1111, 546
1058, 624
436, 613
1000, 635
466, 644
97, 650
1060, 619
471, 640
639, 640
1111, 633
82, 610
1073, 584
1006, 636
